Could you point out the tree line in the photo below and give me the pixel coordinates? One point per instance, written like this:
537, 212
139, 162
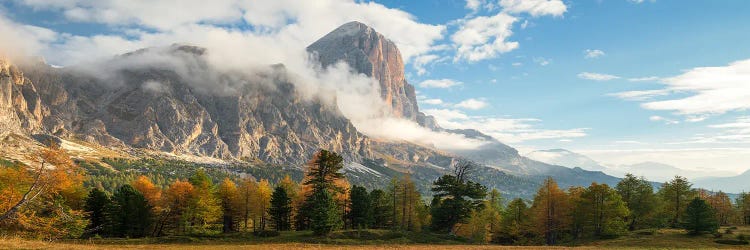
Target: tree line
50, 201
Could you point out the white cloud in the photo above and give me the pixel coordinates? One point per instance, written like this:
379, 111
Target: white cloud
473, 4
525, 24
641, 95
542, 61
657, 118
644, 79
597, 76
508, 130
593, 53
715, 90
19, 40
439, 83
534, 7
717, 158
484, 37
472, 103
294, 24
433, 101
517, 64
421, 61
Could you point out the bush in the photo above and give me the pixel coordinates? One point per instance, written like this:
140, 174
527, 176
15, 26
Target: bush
742, 237
266, 233
732, 242
717, 235
728, 231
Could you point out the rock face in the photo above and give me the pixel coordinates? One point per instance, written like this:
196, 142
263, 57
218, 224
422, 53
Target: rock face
261, 118
370, 53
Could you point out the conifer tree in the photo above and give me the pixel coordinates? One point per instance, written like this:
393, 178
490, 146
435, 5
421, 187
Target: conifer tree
361, 209
699, 217
280, 209
96, 204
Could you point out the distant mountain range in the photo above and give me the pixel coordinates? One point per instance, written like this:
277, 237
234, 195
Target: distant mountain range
653, 171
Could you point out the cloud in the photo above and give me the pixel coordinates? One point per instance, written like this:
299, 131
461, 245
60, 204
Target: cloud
597, 76
484, 37
657, 118
19, 40
715, 90
542, 61
421, 61
517, 64
641, 95
718, 158
593, 53
434, 101
534, 8
472, 103
644, 79
439, 83
294, 23
509, 130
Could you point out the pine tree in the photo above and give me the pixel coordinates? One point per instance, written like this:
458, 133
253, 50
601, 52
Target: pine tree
324, 216
459, 197
381, 209
361, 210
280, 209
699, 217
96, 204
129, 214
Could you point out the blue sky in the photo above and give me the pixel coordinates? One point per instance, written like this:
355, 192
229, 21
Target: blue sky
536, 74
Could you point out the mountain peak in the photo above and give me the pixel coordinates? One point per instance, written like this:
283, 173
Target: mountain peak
369, 52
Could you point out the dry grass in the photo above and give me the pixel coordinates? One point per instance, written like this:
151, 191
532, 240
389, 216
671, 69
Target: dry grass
16, 243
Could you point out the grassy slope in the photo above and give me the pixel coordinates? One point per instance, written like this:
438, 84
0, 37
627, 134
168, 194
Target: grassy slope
370, 239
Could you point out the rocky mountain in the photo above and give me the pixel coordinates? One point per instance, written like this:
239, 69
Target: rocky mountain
172, 100
157, 108
661, 172
370, 53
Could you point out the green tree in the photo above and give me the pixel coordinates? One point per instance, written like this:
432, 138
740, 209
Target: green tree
129, 214
458, 197
281, 209
514, 223
381, 208
360, 214
96, 204
699, 217
320, 207
604, 210
638, 195
325, 215
676, 194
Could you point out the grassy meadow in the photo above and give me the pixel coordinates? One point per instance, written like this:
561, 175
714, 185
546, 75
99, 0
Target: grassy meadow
377, 239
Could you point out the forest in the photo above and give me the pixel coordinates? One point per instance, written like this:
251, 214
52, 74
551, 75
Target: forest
59, 198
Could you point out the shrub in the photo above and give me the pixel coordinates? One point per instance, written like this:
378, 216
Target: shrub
731, 242
266, 233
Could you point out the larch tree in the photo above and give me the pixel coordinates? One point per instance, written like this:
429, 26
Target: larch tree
514, 223
550, 211
638, 195
722, 206
205, 208
247, 191
676, 194
261, 203
604, 210
230, 205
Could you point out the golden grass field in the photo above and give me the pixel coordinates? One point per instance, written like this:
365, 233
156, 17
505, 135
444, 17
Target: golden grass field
659, 239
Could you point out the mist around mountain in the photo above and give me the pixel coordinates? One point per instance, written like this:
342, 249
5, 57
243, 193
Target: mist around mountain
732, 184
348, 95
